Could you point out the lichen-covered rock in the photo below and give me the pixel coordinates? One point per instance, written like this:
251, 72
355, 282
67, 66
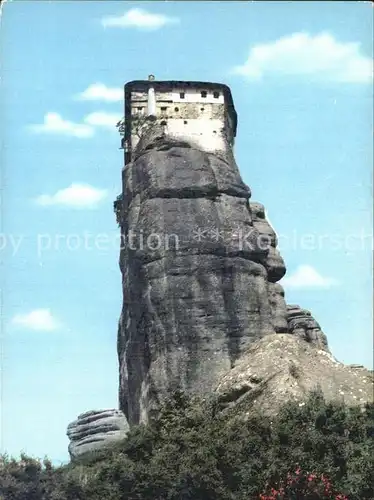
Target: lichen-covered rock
272, 261
278, 307
94, 432
181, 172
195, 276
301, 323
284, 367
259, 219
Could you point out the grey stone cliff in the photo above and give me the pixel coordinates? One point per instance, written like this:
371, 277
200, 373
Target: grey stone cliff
273, 261
204, 289
203, 311
94, 432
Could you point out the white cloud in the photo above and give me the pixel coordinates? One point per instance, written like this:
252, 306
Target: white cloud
39, 319
307, 277
75, 196
103, 119
100, 92
302, 54
138, 18
55, 124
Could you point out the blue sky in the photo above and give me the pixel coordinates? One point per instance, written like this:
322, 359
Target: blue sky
300, 75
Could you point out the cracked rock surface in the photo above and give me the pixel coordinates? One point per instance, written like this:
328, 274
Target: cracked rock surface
284, 367
94, 432
301, 323
200, 271
203, 290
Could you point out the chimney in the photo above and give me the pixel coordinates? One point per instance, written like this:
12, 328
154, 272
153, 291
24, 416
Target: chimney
151, 97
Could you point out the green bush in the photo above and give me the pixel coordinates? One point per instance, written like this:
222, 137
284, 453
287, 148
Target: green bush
194, 451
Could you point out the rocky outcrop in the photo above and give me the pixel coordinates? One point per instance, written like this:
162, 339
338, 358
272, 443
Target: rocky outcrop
200, 267
198, 274
202, 310
285, 367
272, 261
274, 265
278, 307
301, 323
94, 432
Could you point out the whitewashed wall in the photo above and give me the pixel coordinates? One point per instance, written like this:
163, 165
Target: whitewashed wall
205, 133
194, 95
186, 118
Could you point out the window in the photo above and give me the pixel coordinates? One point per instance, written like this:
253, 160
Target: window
185, 122
176, 109
163, 123
216, 95
182, 95
204, 93
164, 108
140, 108
202, 109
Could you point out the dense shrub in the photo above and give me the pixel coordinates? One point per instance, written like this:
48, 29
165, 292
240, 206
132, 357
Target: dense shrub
313, 451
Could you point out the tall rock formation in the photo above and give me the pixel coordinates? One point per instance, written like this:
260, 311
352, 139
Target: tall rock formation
199, 266
199, 293
202, 307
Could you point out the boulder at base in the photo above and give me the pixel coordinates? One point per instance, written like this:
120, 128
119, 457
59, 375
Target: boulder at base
94, 432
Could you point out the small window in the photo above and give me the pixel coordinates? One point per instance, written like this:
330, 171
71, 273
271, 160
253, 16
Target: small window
202, 109
164, 108
140, 108
176, 109
182, 95
163, 123
216, 95
204, 93
185, 122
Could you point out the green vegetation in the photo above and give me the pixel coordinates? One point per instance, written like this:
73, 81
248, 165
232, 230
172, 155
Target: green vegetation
194, 451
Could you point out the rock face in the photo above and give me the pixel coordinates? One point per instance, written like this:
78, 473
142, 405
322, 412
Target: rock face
273, 261
199, 273
201, 298
202, 310
301, 323
94, 432
257, 381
